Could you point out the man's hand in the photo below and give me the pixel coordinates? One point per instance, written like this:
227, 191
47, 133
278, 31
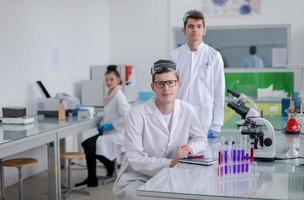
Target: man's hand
182, 152
187, 148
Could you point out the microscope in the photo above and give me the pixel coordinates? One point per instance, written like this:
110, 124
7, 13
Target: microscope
241, 98
263, 141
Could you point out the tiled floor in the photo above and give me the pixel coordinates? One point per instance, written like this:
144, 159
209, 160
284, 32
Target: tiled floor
36, 187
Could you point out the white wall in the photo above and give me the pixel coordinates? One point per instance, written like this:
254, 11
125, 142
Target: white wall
51, 40
139, 35
142, 29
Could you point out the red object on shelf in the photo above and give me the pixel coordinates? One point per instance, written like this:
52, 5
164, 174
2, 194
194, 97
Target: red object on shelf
128, 72
293, 126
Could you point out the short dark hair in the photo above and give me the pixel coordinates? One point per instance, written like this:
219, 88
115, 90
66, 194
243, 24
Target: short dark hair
193, 14
252, 50
112, 69
164, 70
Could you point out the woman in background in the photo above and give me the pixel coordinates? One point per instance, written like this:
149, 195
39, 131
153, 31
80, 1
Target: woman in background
108, 143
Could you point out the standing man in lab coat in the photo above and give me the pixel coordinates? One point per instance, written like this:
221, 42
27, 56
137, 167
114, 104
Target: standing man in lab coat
201, 72
158, 133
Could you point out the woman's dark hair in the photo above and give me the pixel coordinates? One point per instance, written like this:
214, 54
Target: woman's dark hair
112, 69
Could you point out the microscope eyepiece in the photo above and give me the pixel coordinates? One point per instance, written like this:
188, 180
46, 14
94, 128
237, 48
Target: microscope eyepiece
239, 109
233, 93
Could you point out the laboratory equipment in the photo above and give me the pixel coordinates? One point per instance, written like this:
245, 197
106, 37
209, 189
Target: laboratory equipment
242, 98
83, 114
293, 126
61, 111
48, 106
292, 146
15, 115
14, 111
93, 91
263, 141
17, 120
234, 160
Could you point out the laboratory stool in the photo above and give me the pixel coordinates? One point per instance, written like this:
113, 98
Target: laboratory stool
19, 163
70, 188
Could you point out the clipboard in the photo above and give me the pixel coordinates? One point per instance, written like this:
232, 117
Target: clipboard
198, 161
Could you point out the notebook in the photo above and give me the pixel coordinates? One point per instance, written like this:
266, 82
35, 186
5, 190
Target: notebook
198, 161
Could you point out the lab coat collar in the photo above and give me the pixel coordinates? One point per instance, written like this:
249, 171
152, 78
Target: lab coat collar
157, 117
152, 108
199, 47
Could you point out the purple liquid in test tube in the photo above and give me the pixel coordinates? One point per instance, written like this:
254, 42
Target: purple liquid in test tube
238, 161
233, 157
242, 154
220, 163
242, 160
226, 161
246, 161
222, 168
226, 157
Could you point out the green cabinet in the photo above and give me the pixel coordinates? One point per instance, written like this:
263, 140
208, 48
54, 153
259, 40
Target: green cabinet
248, 81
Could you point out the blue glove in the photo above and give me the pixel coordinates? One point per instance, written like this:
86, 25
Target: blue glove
213, 134
105, 127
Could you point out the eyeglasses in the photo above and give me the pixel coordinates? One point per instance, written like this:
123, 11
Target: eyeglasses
169, 83
159, 67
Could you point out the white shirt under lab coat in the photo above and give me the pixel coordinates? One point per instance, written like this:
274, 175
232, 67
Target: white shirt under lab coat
111, 144
150, 145
203, 83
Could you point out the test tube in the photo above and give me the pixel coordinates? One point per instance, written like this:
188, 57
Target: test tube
233, 157
252, 167
242, 160
246, 162
70, 118
251, 154
220, 167
238, 160
226, 158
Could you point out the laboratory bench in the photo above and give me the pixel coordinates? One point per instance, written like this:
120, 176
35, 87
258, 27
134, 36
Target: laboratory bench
278, 180
48, 131
193, 182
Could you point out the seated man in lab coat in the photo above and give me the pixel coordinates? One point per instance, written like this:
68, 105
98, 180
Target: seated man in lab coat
158, 133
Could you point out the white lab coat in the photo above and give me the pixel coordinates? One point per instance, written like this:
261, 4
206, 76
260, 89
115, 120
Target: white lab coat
203, 83
111, 144
253, 61
150, 145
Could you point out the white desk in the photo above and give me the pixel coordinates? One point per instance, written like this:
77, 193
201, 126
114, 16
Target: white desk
280, 180
46, 131
203, 183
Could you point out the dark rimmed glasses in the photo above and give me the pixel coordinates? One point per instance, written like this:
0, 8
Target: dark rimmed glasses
169, 83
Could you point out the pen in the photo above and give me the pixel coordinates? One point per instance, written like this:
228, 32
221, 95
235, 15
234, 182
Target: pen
196, 156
